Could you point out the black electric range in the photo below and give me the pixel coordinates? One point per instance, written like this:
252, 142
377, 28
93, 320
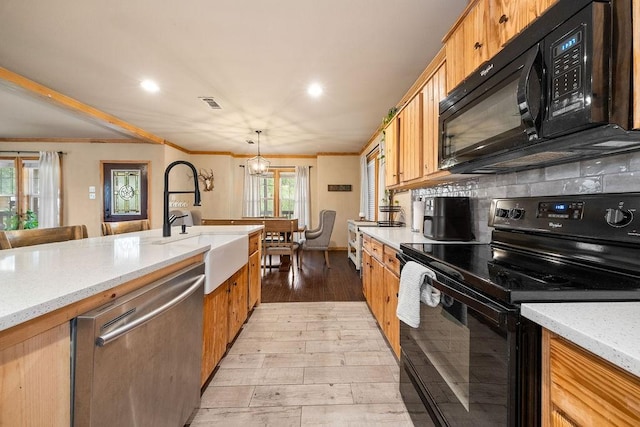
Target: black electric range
569, 248
543, 249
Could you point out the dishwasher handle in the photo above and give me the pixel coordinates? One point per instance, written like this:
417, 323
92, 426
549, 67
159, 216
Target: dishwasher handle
105, 339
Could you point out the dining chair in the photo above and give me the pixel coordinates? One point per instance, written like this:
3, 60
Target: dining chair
10, 239
109, 228
318, 238
279, 239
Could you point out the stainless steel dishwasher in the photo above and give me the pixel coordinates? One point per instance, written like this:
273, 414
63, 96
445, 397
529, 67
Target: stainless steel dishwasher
137, 359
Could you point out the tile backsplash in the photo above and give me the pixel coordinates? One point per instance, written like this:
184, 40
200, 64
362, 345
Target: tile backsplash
614, 174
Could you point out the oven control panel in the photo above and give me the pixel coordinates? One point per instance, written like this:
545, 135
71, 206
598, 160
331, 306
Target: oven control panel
560, 209
613, 216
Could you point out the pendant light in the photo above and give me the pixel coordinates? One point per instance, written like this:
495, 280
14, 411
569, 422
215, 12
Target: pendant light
258, 165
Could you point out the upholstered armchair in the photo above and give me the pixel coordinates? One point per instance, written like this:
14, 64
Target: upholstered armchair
318, 239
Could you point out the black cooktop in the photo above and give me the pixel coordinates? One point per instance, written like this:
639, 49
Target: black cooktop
515, 276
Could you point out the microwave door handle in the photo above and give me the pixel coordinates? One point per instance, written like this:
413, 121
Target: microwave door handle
530, 93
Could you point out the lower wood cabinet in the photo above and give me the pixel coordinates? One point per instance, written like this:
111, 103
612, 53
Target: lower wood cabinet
380, 284
225, 311
238, 297
582, 389
366, 275
254, 276
35, 380
215, 333
391, 323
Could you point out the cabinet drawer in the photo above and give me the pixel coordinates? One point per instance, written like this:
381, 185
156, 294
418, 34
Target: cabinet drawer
376, 249
254, 242
390, 260
366, 243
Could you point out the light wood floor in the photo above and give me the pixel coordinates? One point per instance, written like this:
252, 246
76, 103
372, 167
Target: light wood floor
306, 364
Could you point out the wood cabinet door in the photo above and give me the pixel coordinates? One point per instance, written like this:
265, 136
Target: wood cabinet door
581, 389
507, 18
214, 330
410, 144
366, 277
377, 290
238, 296
543, 5
391, 153
35, 380
455, 53
476, 31
433, 92
391, 326
254, 279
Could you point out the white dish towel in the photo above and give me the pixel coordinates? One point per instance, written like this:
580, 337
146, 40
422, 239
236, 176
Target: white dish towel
415, 287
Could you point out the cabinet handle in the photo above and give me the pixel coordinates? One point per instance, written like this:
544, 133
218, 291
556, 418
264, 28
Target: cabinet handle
477, 46
503, 19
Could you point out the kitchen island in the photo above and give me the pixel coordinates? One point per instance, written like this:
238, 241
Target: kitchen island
45, 286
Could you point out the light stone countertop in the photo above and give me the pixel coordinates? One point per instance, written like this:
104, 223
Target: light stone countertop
610, 330
36, 280
393, 236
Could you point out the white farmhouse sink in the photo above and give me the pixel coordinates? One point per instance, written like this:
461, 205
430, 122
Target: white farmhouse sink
227, 254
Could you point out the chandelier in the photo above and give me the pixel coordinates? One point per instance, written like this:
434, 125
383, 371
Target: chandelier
258, 165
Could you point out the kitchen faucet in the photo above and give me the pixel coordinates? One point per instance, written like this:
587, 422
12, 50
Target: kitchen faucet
166, 225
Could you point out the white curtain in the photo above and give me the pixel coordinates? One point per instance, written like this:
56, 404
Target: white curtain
49, 209
251, 196
301, 197
364, 187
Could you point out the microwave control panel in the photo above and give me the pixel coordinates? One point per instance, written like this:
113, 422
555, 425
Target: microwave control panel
567, 91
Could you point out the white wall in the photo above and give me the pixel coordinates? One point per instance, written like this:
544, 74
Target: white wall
81, 169
338, 169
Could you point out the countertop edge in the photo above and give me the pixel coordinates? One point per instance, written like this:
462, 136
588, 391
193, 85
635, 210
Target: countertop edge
24, 312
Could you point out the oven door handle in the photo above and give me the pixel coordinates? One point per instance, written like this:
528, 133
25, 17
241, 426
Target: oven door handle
495, 314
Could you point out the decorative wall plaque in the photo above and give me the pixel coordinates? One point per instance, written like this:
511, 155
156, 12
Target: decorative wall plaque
340, 187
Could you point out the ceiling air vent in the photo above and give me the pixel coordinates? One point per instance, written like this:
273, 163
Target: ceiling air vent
212, 102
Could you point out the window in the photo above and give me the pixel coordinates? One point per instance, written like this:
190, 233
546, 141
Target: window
19, 193
372, 185
277, 193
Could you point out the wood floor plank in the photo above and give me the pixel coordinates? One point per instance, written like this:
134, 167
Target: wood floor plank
314, 281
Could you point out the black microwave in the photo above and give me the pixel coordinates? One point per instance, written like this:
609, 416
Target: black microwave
558, 92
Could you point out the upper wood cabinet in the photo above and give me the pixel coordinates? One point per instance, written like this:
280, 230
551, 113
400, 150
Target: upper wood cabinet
432, 93
410, 140
391, 152
484, 29
467, 45
508, 18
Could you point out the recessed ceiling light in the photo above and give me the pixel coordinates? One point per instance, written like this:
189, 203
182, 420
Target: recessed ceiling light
314, 90
150, 86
